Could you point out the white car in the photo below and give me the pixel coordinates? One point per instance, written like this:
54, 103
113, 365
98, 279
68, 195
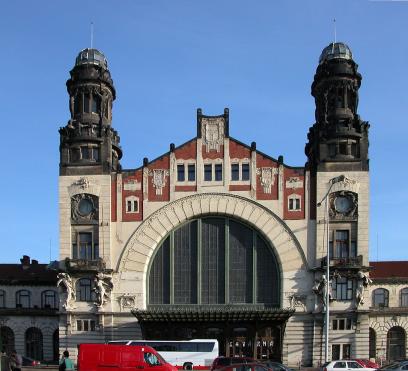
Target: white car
344, 365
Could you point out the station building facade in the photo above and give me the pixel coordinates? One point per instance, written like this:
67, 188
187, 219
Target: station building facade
216, 238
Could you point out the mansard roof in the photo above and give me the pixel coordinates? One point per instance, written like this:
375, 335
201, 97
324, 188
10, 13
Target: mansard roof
383, 270
27, 273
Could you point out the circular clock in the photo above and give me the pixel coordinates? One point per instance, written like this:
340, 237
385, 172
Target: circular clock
85, 206
343, 204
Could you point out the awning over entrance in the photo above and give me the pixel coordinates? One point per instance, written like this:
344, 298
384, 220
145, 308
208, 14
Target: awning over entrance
244, 330
211, 314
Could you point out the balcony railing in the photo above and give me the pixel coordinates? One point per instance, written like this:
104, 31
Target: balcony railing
350, 262
85, 265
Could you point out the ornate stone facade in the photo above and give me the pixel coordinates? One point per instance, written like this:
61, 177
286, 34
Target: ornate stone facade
215, 204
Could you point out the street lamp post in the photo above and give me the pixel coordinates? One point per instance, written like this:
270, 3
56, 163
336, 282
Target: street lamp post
327, 291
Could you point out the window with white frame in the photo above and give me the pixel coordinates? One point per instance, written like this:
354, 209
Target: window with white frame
294, 202
132, 204
239, 171
342, 288
213, 172
85, 325
186, 172
340, 324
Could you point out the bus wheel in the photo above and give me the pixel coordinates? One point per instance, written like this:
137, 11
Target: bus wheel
188, 366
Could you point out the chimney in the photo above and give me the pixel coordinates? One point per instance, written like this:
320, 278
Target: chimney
25, 261
34, 262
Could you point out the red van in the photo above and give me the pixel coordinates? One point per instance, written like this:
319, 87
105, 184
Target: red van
102, 357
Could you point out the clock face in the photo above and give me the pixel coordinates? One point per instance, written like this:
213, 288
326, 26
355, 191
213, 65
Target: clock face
343, 204
85, 207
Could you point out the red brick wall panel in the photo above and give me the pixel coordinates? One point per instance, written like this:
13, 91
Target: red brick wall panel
262, 161
212, 155
187, 151
131, 177
237, 150
161, 163
294, 174
239, 187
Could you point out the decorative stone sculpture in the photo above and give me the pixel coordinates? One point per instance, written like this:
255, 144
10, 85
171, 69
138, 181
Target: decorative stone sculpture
103, 288
66, 284
362, 283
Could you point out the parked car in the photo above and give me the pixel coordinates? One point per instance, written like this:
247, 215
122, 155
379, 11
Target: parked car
27, 361
367, 363
221, 361
276, 366
396, 366
245, 367
344, 364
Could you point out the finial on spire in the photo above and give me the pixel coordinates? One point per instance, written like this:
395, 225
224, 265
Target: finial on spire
335, 31
92, 32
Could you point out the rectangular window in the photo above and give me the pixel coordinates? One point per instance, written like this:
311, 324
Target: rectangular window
342, 288
343, 148
332, 149
191, 173
87, 100
218, 172
135, 206
341, 247
84, 153
245, 171
234, 171
85, 325
208, 172
180, 173
129, 206
85, 245
95, 154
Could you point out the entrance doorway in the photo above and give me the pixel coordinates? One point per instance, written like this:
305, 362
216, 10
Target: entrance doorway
396, 343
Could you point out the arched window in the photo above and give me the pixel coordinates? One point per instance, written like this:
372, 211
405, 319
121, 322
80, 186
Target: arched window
34, 343
372, 343
404, 297
380, 298
23, 299
49, 299
84, 290
7, 339
214, 260
396, 343
2, 299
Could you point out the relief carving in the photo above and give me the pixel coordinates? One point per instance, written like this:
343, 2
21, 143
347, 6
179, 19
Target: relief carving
84, 208
127, 301
294, 182
267, 177
159, 179
212, 132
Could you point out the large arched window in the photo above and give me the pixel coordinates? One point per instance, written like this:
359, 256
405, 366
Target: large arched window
404, 297
7, 339
49, 299
34, 343
214, 260
380, 298
23, 299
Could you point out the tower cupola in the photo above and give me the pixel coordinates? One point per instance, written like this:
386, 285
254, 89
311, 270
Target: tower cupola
339, 139
89, 144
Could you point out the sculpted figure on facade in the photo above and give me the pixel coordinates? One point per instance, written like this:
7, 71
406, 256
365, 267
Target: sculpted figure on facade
267, 177
159, 180
103, 288
363, 281
66, 284
320, 287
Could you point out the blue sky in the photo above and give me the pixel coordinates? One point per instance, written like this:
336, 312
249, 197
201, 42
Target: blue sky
169, 57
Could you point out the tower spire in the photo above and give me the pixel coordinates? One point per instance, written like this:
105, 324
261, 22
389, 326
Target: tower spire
92, 34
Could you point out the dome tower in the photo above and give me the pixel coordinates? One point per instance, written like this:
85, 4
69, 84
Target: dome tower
88, 143
339, 139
